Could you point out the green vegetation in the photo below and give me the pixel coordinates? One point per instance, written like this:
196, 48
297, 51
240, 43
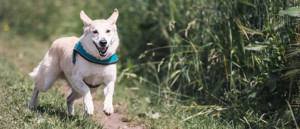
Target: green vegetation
198, 63
230, 59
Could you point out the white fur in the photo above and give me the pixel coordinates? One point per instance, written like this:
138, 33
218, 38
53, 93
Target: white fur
58, 63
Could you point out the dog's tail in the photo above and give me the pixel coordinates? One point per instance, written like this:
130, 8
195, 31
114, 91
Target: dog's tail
35, 71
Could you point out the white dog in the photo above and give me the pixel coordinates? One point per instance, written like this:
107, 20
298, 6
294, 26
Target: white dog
84, 62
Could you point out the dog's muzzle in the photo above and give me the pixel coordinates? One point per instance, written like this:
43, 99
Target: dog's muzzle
103, 48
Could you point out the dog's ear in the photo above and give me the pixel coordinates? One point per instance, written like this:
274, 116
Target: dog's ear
114, 16
86, 20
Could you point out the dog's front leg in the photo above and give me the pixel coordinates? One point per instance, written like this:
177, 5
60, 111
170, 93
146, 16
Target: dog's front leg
108, 92
82, 88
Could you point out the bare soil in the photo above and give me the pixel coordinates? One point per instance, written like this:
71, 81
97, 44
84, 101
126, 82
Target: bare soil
113, 121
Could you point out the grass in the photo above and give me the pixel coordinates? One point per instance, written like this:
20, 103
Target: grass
142, 107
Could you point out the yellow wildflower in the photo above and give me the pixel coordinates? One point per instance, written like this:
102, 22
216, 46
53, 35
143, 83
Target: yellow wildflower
6, 27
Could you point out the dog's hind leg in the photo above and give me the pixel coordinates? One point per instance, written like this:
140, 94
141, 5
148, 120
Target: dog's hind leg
32, 103
44, 76
70, 101
43, 84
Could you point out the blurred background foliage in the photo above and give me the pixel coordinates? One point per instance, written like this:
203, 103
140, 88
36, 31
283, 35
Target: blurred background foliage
237, 57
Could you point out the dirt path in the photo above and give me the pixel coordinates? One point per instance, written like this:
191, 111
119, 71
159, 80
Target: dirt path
108, 122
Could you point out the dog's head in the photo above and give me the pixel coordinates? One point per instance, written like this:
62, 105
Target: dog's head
100, 36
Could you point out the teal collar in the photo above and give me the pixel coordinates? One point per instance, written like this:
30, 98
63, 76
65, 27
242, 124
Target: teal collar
80, 50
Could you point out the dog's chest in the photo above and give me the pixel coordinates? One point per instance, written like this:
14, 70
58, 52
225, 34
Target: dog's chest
99, 74
95, 74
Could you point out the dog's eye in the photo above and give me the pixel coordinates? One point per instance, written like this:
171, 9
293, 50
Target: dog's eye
107, 31
95, 32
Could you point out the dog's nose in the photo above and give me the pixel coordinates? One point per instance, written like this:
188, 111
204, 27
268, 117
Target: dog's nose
103, 43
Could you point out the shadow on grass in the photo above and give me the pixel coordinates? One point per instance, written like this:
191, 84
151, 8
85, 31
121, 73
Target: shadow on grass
54, 111
58, 113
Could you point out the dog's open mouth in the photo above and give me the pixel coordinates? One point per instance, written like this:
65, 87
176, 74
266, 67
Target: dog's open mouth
102, 50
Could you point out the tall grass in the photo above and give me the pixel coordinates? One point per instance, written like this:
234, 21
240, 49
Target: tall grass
226, 53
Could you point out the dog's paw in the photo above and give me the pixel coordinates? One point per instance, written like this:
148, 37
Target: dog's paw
31, 105
108, 110
70, 109
89, 108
